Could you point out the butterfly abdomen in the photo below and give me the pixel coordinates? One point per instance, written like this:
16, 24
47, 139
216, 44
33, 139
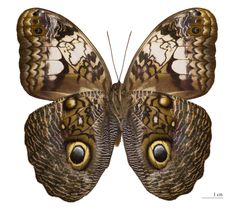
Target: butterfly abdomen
119, 100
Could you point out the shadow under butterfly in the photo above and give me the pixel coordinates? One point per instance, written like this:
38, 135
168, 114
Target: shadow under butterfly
166, 138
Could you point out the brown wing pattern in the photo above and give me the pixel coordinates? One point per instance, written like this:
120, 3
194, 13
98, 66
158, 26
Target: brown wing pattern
178, 57
167, 140
56, 58
70, 143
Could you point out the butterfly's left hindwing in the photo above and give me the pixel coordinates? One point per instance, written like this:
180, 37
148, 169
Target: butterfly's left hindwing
167, 140
70, 143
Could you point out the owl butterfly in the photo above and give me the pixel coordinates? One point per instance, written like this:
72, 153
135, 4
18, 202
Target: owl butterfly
166, 137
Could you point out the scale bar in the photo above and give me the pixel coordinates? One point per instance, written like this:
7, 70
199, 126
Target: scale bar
212, 197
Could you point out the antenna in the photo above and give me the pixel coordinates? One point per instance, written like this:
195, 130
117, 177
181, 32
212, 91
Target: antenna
124, 57
112, 55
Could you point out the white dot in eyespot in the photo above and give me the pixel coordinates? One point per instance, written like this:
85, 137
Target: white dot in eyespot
155, 119
80, 121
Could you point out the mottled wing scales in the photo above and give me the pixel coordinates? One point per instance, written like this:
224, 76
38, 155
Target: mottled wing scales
78, 119
178, 57
56, 58
182, 127
70, 141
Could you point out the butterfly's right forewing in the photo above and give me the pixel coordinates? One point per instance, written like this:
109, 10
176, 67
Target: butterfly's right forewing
178, 56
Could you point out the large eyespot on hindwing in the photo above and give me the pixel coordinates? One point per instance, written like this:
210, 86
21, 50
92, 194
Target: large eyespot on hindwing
78, 155
159, 153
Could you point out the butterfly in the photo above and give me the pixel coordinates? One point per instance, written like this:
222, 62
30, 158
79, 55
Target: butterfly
166, 137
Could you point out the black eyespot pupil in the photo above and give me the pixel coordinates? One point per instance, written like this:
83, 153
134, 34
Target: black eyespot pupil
160, 153
197, 13
77, 155
38, 30
36, 13
195, 30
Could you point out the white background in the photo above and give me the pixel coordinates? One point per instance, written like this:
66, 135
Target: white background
118, 188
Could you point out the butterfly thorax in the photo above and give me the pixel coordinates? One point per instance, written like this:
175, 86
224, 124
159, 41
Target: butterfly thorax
119, 101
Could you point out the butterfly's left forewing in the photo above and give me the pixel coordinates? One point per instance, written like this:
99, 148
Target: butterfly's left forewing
56, 57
